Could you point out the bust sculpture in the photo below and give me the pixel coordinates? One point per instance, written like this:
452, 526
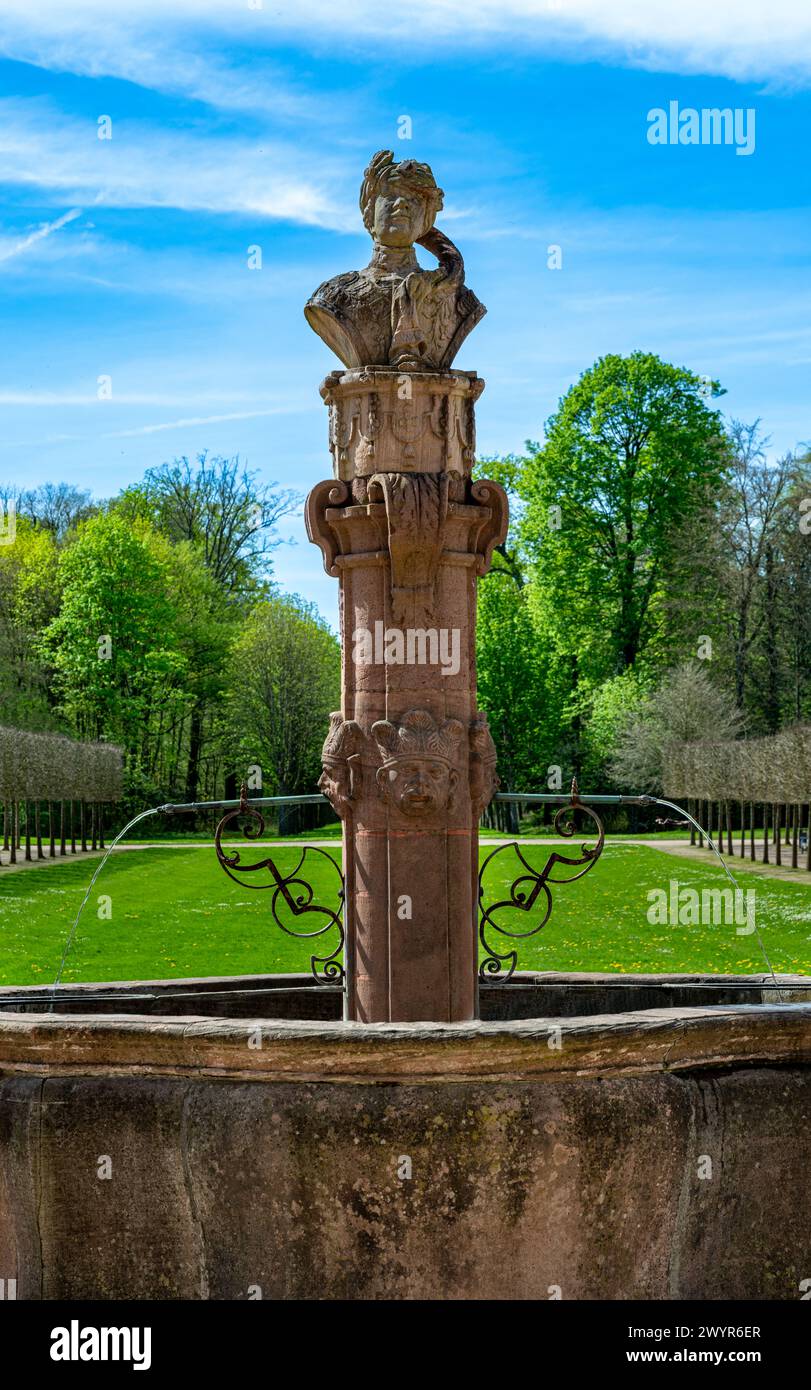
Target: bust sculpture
394, 314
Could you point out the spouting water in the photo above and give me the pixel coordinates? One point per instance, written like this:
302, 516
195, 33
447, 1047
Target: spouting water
153, 811
169, 808
530, 798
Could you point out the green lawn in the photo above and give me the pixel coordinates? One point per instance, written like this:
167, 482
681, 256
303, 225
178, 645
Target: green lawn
175, 913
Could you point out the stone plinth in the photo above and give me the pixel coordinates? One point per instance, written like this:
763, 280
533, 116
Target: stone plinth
381, 420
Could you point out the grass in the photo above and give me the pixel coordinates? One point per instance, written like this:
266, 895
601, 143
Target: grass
174, 913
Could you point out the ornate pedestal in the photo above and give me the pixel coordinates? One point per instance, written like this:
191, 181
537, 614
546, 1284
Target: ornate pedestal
409, 763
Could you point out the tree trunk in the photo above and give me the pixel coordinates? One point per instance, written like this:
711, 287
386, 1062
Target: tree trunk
27, 806
62, 846
94, 824
101, 824
15, 819
778, 857
38, 829
83, 825
195, 746
795, 835
752, 831
51, 829
766, 832
72, 827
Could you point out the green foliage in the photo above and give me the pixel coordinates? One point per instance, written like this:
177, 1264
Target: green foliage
613, 708
632, 453
112, 646
29, 597
511, 680
284, 679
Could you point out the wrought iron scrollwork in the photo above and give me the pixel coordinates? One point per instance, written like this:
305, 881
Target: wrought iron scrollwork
290, 890
530, 885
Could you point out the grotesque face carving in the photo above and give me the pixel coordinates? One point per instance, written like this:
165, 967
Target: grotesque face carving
419, 786
334, 782
420, 756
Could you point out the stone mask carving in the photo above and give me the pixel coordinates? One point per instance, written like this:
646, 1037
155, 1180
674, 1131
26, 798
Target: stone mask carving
420, 770
393, 313
341, 760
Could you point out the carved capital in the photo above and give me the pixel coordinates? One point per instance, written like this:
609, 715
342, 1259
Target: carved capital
385, 421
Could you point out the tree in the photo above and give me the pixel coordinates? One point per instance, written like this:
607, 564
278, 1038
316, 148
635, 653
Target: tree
685, 708
284, 679
632, 453
57, 507
112, 647
511, 664
29, 599
220, 511
219, 508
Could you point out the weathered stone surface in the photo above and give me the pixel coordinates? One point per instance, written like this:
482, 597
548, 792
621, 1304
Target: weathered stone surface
406, 531
393, 313
382, 421
408, 1161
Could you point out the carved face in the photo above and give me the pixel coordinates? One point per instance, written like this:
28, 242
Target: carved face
399, 215
334, 783
419, 786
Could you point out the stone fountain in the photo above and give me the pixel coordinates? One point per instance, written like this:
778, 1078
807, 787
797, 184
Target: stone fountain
386, 1134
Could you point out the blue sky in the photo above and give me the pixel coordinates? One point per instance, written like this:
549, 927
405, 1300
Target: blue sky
238, 124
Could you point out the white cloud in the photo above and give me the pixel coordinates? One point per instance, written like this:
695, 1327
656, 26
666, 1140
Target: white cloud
199, 420
148, 42
144, 166
16, 248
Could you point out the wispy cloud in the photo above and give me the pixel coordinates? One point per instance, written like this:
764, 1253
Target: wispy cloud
201, 420
17, 248
148, 42
145, 166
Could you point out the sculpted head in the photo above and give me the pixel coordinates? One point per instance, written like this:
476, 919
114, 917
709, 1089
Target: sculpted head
399, 202
420, 772
419, 786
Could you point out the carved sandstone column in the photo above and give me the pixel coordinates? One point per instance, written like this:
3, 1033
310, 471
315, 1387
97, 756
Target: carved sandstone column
409, 763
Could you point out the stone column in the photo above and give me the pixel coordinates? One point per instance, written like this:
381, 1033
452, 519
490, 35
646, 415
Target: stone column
409, 763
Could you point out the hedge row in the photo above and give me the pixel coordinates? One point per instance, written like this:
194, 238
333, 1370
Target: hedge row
49, 767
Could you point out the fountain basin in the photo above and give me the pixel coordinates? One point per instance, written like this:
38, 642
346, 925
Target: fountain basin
635, 1152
